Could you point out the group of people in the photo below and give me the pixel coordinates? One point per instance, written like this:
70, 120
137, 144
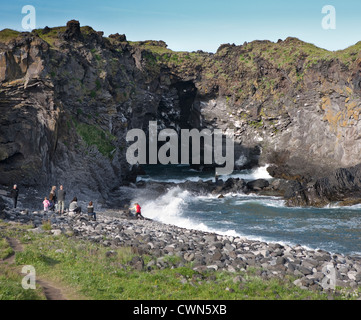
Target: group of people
57, 202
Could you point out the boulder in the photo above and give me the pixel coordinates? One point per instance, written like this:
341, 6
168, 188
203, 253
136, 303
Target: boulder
118, 37
258, 184
72, 30
137, 263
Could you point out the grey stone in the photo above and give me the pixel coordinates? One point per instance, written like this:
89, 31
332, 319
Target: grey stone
189, 256
280, 260
137, 263
305, 271
56, 232
217, 255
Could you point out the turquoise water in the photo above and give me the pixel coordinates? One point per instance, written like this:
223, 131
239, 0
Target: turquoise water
334, 229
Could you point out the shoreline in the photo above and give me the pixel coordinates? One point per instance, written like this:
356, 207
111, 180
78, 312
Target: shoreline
314, 269
266, 200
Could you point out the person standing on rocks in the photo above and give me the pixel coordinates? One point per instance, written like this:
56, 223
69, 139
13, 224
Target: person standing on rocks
138, 212
14, 193
61, 199
46, 204
52, 198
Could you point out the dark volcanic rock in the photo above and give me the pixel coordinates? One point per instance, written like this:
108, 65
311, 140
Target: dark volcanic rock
69, 97
343, 185
72, 30
258, 184
118, 37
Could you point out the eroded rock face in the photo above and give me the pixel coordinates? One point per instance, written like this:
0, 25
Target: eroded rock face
69, 95
67, 104
342, 185
297, 103
28, 118
305, 132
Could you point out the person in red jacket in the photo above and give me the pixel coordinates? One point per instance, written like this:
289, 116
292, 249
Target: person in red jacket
138, 212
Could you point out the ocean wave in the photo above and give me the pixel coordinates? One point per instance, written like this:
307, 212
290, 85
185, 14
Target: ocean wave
168, 209
258, 218
169, 180
254, 174
338, 207
275, 203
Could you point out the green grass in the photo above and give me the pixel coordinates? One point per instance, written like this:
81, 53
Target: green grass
8, 34
46, 225
11, 288
287, 54
53, 33
92, 135
158, 55
5, 249
85, 268
50, 36
151, 47
10, 276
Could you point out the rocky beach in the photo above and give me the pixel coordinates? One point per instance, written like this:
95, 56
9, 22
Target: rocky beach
313, 269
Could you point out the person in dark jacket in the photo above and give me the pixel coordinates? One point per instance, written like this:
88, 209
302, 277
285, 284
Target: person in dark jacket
14, 193
91, 213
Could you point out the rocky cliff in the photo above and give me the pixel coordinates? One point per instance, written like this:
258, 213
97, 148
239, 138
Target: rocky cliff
69, 95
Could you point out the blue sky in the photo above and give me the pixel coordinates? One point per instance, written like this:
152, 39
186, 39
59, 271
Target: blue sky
190, 25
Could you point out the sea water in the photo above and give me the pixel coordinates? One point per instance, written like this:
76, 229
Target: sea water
264, 218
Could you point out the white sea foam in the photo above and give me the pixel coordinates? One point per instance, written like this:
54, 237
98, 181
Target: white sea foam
263, 201
254, 174
170, 207
180, 208
337, 206
171, 180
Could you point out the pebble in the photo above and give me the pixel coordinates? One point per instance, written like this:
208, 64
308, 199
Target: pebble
206, 251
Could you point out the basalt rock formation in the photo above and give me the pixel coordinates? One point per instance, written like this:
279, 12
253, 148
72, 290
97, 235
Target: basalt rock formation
342, 186
69, 95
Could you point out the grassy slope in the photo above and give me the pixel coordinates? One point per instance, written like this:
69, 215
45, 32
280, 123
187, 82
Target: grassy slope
10, 278
8, 34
